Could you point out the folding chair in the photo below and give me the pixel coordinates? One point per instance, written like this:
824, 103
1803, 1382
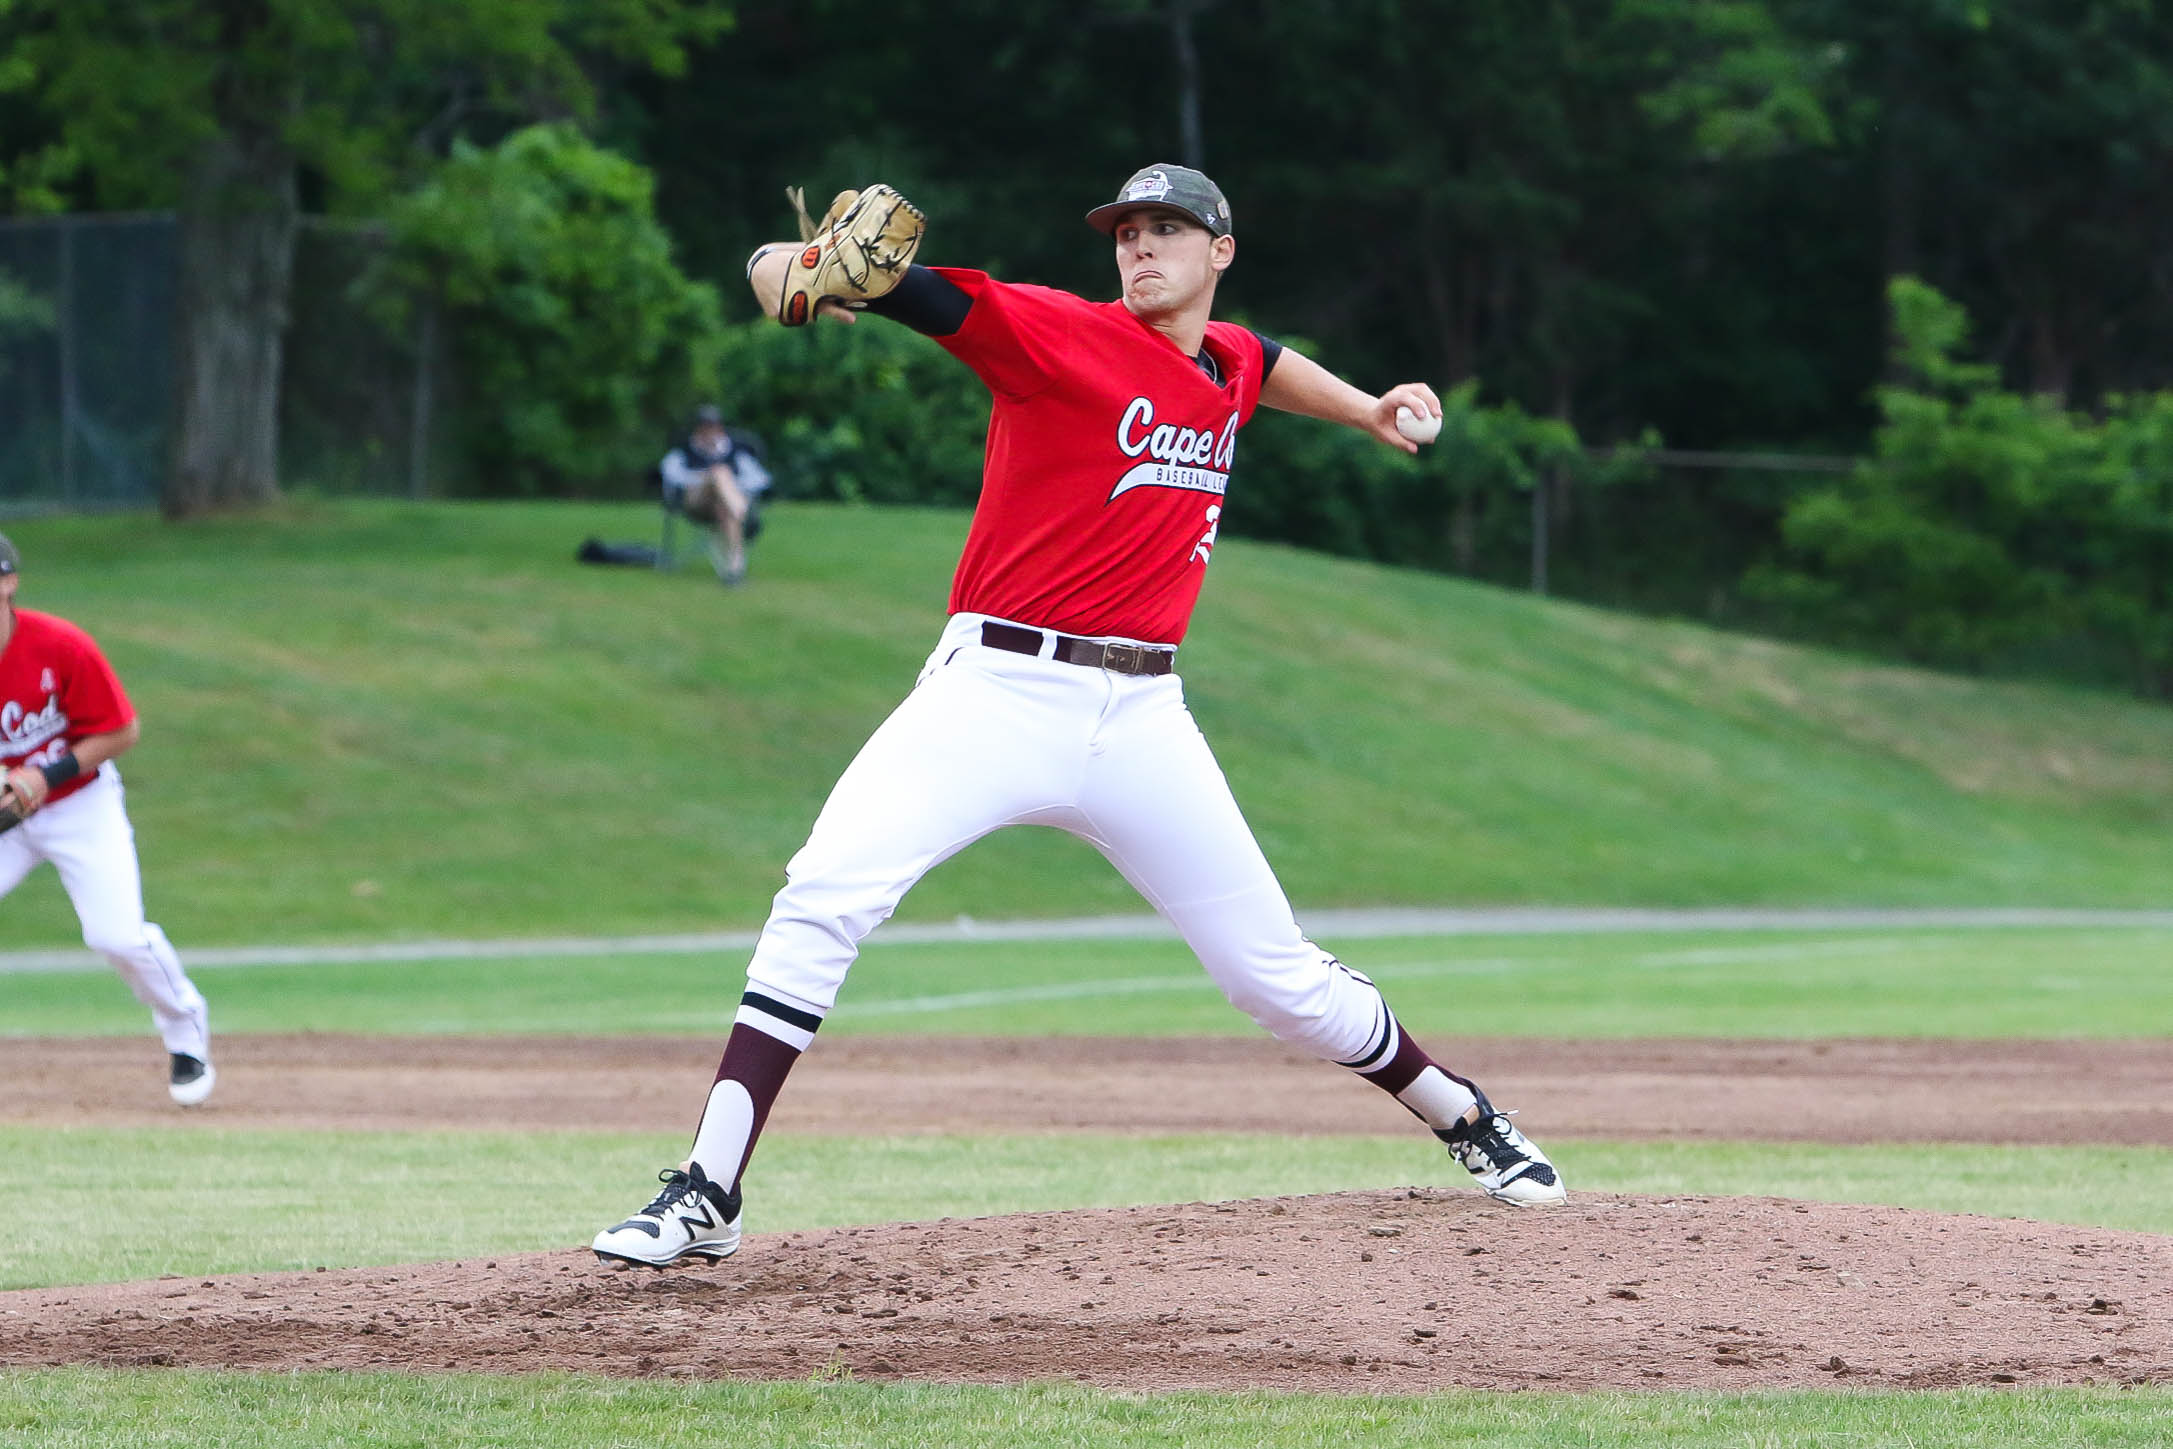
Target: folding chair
667, 545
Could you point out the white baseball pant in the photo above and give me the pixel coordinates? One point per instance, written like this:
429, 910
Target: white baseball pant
88, 839
989, 738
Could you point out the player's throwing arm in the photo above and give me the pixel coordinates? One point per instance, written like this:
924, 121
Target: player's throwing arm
1405, 416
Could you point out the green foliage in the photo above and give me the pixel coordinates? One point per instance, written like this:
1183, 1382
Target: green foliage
1992, 528
1735, 77
873, 412
573, 329
1929, 330
34, 180
364, 92
231, 112
1462, 504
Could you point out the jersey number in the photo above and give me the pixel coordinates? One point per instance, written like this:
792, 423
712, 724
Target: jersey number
1206, 545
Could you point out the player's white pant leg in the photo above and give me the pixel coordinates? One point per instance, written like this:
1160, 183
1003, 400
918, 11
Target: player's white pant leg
90, 842
1158, 806
984, 740
17, 859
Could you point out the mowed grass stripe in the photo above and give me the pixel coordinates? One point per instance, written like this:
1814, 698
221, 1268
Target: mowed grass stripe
1982, 983
221, 1200
96, 1408
397, 758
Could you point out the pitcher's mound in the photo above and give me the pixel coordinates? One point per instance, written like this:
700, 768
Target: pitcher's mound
1390, 1291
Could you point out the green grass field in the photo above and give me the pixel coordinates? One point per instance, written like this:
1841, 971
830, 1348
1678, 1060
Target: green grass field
1967, 983
379, 721
56, 1410
373, 720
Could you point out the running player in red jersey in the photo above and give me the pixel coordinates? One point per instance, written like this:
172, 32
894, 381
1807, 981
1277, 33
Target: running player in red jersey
63, 720
1052, 698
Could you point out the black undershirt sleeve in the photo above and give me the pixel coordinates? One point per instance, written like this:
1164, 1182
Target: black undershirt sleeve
937, 307
929, 304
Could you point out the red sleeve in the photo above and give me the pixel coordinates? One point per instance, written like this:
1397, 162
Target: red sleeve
1016, 336
91, 694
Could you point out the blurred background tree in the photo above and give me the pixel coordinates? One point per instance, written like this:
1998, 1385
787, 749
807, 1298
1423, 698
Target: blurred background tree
239, 113
573, 328
1991, 527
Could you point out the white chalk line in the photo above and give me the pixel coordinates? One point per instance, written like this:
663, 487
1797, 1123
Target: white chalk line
1329, 925
1391, 973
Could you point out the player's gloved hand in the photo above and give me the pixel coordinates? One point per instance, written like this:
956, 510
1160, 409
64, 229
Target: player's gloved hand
859, 250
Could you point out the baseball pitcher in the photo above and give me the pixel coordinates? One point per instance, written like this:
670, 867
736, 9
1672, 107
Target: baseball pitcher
1052, 697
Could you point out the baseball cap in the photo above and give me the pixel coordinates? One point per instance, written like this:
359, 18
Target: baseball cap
709, 413
1179, 188
11, 562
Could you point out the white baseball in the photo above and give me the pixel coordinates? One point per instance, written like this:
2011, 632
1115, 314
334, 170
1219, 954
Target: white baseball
1418, 429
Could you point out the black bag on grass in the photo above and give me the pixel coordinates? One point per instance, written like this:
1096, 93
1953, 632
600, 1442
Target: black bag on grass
596, 551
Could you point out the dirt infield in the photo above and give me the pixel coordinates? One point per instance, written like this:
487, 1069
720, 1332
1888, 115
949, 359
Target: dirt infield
1391, 1290
1798, 1091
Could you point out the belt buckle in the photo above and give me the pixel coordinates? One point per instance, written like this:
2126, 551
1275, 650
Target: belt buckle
1124, 659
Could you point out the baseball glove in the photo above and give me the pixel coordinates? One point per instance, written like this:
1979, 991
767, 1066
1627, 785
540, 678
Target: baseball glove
860, 249
11, 813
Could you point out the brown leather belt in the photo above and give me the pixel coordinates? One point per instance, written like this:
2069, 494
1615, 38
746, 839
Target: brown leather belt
1092, 653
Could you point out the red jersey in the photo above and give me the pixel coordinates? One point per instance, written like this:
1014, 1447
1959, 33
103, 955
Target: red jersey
55, 689
1109, 452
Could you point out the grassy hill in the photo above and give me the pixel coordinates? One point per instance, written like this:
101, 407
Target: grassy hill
372, 720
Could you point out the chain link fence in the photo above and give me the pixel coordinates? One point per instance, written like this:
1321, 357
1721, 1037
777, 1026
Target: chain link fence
86, 368
86, 349
361, 410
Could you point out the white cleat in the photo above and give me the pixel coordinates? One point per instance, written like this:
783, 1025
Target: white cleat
691, 1218
189, 1079
1503, 1160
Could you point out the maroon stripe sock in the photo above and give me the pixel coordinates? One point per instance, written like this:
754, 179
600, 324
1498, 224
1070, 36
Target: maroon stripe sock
759, 1062
1402, 1069
1436, 1103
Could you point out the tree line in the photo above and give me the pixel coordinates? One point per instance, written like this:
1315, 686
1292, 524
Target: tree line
1598, 224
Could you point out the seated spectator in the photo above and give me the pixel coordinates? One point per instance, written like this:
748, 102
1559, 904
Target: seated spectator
717, 481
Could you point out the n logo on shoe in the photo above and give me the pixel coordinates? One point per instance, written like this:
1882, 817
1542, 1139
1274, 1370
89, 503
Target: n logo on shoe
690, 1222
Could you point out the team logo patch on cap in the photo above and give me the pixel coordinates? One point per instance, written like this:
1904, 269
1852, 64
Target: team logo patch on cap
1152, 187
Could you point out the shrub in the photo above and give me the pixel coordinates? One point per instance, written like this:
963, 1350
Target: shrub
874, 412
1990, 529
573, 332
